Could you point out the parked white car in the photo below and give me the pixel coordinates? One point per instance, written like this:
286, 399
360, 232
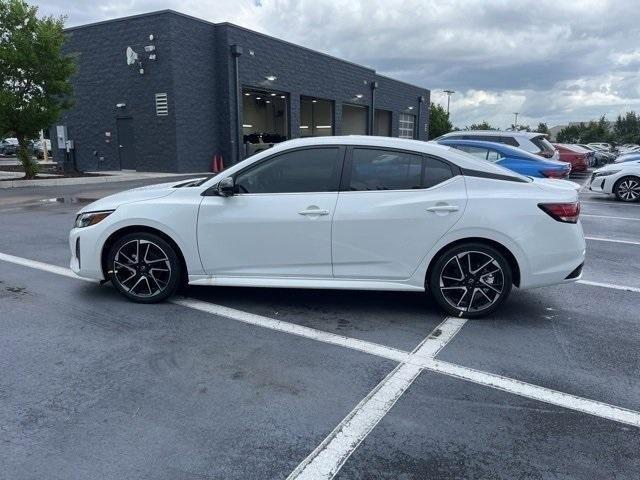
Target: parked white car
369, 213
532, 142
619, 179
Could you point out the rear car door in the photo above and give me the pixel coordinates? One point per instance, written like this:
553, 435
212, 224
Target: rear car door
279, 221
392, 208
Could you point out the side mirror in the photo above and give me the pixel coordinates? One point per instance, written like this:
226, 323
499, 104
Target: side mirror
226, 187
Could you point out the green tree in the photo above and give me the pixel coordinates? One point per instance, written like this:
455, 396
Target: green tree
34, 75
627, 128
542, 128
484, 125
439, 123
587, 132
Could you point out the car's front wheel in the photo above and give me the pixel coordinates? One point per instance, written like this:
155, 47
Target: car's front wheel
627, 189
470, 280
144, 267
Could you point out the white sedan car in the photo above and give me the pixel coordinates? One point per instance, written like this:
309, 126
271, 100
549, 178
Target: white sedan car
620, 179
368, 213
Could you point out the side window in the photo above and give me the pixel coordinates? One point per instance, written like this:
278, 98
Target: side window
385, 170
493, 155
436, 171
478, 152
308, 170
509, 141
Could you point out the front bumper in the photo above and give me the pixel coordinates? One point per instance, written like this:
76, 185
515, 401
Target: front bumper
86, 253
600, 184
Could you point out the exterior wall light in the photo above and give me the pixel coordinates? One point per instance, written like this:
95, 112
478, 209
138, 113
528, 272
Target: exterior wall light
271, 78
121, 105
359, 96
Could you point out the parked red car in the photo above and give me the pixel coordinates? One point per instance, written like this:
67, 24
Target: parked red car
578, 159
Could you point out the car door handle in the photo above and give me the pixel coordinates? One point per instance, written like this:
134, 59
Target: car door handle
314, 211
443, 208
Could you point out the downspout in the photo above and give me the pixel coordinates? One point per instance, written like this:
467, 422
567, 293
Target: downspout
374, 86
236, 51
420, 102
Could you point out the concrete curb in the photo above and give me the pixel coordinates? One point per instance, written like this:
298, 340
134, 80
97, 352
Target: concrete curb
108, 177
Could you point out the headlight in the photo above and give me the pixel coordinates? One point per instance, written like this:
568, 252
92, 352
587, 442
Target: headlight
604, 173
91, 218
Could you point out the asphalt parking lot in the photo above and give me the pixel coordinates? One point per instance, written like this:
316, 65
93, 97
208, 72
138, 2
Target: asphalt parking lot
231, 383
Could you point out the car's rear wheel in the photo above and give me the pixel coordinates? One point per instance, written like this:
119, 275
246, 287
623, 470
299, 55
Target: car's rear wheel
470, 280
144, 267
627, 189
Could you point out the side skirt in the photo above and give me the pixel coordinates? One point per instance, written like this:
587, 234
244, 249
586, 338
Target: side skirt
292, 282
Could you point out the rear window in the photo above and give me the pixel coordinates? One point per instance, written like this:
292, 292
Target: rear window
542, 143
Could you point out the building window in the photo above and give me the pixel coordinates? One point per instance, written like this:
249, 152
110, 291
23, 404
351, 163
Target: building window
406, 125
316, 117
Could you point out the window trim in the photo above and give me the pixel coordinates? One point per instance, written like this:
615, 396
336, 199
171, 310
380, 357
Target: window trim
340, 160
348, 167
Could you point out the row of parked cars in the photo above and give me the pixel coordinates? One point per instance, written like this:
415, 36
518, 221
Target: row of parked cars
527, 153
531, 154
9, 147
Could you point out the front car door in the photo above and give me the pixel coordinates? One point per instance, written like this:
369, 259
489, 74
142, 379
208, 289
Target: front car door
278, 224
392, 208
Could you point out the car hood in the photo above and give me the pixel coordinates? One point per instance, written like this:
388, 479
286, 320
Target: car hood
140, 194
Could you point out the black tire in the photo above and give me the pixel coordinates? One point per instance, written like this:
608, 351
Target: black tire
474, 291
627, 189
149, 276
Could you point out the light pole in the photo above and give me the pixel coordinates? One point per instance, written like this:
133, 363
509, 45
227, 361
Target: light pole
449, 93
515, 125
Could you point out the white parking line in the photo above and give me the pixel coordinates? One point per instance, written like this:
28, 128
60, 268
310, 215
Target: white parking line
417, 359
617, 204
610, 216
42, 266
610, 285
535, 392
294, 329
329, 457
612, 240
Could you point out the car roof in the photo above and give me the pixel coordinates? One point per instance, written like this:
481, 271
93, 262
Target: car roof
501, 147
457, 157
493, 133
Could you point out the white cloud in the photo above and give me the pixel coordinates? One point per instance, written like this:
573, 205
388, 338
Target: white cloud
552, 61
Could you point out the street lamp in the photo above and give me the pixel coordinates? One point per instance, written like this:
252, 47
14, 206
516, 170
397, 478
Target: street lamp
515, 124
449, 93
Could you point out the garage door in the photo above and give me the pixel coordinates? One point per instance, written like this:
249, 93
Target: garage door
354, 120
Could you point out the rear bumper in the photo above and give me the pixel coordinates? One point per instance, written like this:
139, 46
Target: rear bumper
559, 260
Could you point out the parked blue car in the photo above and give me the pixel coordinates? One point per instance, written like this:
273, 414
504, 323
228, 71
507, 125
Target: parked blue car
513, 158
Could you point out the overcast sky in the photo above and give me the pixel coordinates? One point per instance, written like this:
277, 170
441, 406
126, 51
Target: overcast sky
553, 61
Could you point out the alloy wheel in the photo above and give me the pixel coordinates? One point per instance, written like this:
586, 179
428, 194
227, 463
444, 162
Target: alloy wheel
472, 281
142, 268
629, 190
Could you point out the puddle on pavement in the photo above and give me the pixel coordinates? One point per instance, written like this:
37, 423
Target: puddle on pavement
71, 200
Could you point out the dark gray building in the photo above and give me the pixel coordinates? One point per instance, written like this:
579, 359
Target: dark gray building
198, 89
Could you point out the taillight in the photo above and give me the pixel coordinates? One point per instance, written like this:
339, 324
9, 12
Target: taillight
562, 212
555, 173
